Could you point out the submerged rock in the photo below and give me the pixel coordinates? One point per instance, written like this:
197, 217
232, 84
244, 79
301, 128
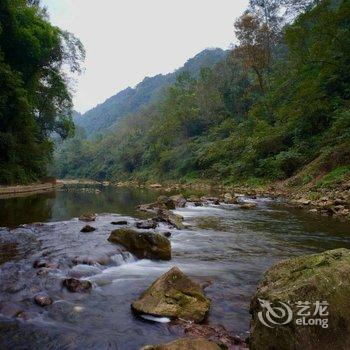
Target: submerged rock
320, 282
247, 205
87, 217
10, 309
146, 224
145, 245
174, 295
88, 228
170, 218
42, 300
75, 285
215, 333
103, 259
38, 264
185, 344
120, 222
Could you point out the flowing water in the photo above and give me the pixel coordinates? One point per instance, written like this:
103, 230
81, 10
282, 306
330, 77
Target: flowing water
227, 246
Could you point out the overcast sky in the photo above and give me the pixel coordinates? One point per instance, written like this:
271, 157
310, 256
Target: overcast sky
127, 40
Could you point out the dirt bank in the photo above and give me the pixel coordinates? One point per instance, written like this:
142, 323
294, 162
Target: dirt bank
6, 191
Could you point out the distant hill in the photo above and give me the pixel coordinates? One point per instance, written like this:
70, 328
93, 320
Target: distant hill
131, 100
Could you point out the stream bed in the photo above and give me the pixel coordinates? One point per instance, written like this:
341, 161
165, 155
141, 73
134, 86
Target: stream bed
224, 246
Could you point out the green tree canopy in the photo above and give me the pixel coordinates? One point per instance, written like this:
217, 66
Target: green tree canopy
35, 100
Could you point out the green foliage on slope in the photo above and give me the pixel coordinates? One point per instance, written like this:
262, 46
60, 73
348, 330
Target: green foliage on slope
34, 97
277, 103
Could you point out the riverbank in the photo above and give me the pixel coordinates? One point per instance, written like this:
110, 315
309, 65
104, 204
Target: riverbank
332, 200
18, 190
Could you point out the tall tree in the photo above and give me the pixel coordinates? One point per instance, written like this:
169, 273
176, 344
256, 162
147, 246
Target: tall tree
35, 99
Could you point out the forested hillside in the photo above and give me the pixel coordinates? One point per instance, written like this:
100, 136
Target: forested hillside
151, 89
277, 107
35, 100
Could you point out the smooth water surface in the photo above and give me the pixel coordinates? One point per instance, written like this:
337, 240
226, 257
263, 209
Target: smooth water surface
227, 246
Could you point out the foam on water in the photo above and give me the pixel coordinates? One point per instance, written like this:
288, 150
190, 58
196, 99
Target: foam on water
156, 319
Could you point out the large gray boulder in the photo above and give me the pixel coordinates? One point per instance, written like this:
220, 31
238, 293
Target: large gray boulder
173, 295
313, 279
145, 245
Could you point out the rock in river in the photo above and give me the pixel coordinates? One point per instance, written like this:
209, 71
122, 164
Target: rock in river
229, 198
165, 202
215, 333
146, 224
42, 300
87, 228
320, 282
247, 205
87, 217
170, 218
185, 344
174, 295
145, 245
76, 285
179, 200
120, 222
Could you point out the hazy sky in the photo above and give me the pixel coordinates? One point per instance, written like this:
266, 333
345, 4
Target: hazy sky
126, 40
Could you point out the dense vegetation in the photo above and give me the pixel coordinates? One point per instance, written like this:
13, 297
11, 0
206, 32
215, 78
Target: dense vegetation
150, 90
35, 101
277, 106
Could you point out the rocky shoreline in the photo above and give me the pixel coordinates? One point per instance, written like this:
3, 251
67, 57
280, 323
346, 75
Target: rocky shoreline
333, 202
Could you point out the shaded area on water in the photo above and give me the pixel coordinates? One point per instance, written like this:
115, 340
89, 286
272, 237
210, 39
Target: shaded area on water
225, 245
63, 205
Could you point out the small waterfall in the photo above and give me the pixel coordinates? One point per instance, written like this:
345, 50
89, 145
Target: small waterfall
123, 258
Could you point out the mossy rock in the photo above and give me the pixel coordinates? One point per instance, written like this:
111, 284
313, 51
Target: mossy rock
145, 245
313, 278
185, 344
174, 295
170, 218
165, 202
179, 200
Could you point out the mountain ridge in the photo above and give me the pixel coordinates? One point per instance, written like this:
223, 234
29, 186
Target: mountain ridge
130, 100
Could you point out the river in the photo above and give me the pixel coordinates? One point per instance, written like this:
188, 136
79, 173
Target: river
227, 246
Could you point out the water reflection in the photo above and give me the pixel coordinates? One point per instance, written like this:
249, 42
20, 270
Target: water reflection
63, 205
